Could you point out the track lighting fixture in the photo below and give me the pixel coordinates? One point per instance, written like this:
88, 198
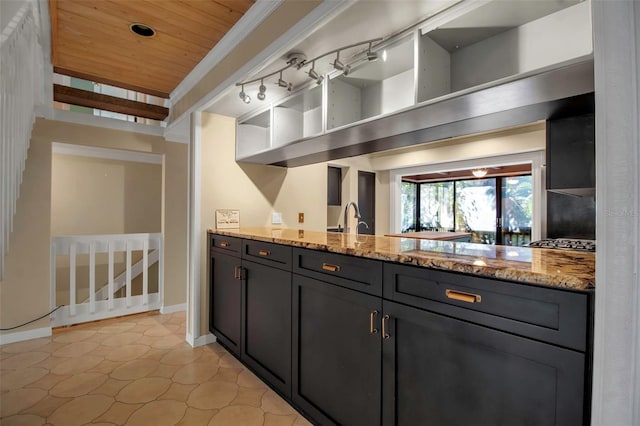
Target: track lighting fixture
340, 66
371, 56
314, 75
245, 98
261, 91
298, 60
284, 84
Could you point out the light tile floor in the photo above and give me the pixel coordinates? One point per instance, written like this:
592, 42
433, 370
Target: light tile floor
134, 370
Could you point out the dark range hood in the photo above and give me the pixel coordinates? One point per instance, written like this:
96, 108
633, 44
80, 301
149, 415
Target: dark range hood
537, 96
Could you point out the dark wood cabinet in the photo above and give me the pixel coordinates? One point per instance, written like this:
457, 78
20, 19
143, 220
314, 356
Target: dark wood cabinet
334, 186
336, 353
250, 305
442, 371
266, 323
225, 294
354, 341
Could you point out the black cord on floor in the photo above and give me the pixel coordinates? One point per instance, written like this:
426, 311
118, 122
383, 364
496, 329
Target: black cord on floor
26, 323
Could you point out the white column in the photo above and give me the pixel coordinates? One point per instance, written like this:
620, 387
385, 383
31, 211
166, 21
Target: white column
128, 276
110, 267
145, 272
72, 279
92, 277
616, 375
194, 226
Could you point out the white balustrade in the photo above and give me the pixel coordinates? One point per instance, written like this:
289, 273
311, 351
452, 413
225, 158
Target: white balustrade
102, 302
21, 83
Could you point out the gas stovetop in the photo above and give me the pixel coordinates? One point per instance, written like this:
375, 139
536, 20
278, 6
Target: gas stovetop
565, 243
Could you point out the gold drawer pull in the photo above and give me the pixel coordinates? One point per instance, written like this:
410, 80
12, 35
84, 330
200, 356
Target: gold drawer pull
372, 329
385, 334
463, 297
224, 244
330, 267
264, 253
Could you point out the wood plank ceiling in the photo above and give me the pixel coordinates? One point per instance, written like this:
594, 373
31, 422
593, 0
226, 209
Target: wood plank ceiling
91, 39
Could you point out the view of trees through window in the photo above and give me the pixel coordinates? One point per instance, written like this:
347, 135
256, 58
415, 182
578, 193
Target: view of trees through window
495, 210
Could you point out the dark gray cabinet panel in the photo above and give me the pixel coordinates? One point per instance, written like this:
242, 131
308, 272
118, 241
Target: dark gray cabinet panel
225, 245
225, 300
334, 186
571, 152
551, 315
268, 254
266, 324
446, 372
336, 357
347, 271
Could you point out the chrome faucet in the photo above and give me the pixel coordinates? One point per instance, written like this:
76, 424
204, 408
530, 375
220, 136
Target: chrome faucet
346, 215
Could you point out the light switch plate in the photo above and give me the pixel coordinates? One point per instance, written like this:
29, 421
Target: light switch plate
276, 218
300, 217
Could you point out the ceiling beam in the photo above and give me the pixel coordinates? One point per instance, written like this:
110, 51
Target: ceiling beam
85, 98
96, 79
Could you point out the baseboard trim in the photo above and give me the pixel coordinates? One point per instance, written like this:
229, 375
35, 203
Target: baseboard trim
200, 341
20, 336
173, 308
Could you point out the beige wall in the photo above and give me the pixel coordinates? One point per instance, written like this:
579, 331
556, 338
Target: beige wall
102, 196
24, 291
174, 222
523, 139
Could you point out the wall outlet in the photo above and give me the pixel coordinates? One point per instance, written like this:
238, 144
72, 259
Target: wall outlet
276, 218
300, 217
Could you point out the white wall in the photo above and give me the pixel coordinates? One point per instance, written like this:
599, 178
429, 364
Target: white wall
8, 9
287, 125
344, 104
552, 39
252, 139
434, 70
397, 91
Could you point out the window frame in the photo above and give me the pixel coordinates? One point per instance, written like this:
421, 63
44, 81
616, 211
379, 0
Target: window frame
535, 157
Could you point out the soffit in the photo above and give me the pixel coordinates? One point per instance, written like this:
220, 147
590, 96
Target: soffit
91, 39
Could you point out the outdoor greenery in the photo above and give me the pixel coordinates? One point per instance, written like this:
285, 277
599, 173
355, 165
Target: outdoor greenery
470, 205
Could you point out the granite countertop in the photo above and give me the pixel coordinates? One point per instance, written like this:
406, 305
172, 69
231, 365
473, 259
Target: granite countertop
552, 267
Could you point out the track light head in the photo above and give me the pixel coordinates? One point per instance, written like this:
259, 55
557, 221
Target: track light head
261, 91
314, 75
243, 96
371, 56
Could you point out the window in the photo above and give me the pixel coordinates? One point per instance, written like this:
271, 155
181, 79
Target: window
495, 210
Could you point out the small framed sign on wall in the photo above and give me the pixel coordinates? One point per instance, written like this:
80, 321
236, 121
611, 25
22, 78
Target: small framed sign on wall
227, 219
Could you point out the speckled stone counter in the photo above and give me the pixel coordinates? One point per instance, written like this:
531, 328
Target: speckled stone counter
551, 267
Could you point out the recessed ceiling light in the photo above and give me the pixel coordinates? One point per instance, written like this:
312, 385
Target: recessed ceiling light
142, 30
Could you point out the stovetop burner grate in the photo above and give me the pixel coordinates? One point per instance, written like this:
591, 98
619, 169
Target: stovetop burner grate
565, 243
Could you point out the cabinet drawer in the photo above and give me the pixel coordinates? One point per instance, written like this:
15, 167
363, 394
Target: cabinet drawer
224, 244
547, 314
269, 254
347, 271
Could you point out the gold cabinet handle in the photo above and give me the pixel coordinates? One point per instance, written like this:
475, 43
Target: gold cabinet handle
237, 273
264, 253
330, 267
385, 334
224, 244
463, 297
372, 329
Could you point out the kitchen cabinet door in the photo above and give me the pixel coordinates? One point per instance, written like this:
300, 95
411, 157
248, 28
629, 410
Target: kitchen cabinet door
441, 371
266, 323
225, 300
336, 355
